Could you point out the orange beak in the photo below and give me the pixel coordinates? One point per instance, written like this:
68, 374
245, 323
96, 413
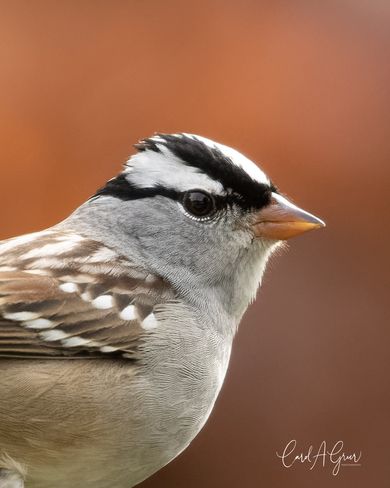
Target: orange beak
282, 219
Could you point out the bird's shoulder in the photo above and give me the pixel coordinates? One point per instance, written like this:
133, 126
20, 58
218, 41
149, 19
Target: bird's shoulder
65, 295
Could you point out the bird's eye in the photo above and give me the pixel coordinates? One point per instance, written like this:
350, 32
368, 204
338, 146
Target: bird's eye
198, 203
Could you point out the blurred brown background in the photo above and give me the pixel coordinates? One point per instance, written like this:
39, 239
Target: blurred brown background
303, 88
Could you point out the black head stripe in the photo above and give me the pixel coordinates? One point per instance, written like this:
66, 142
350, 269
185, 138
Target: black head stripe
215, 164
240, 187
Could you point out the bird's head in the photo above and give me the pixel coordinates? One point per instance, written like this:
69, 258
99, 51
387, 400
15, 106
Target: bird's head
197, 213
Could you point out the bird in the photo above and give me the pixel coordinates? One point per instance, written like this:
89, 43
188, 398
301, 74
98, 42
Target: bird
116, 324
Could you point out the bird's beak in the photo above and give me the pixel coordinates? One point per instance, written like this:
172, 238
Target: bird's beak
282, 219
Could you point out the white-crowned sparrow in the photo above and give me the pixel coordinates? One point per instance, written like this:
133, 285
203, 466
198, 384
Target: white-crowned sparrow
116, 325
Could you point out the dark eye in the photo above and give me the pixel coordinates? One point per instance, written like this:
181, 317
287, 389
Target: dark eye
198, 203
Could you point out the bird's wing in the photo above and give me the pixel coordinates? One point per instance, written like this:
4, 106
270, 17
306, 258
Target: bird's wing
65, 296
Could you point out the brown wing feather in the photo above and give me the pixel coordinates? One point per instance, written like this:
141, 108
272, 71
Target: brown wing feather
80, 305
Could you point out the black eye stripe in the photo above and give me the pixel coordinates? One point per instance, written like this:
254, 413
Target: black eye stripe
122, 189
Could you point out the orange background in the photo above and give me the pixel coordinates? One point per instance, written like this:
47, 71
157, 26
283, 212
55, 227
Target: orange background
303, 88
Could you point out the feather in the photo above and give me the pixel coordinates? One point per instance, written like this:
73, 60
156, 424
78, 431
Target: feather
62, 295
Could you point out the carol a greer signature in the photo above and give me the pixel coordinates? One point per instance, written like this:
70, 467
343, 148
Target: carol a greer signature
333, 455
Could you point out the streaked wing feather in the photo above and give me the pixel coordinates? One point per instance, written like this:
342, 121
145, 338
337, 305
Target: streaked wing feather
80, 305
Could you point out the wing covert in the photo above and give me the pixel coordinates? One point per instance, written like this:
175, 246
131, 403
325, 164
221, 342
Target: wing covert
93, 303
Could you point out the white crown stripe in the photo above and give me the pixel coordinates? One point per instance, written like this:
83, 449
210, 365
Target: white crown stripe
150, 169
237, 158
